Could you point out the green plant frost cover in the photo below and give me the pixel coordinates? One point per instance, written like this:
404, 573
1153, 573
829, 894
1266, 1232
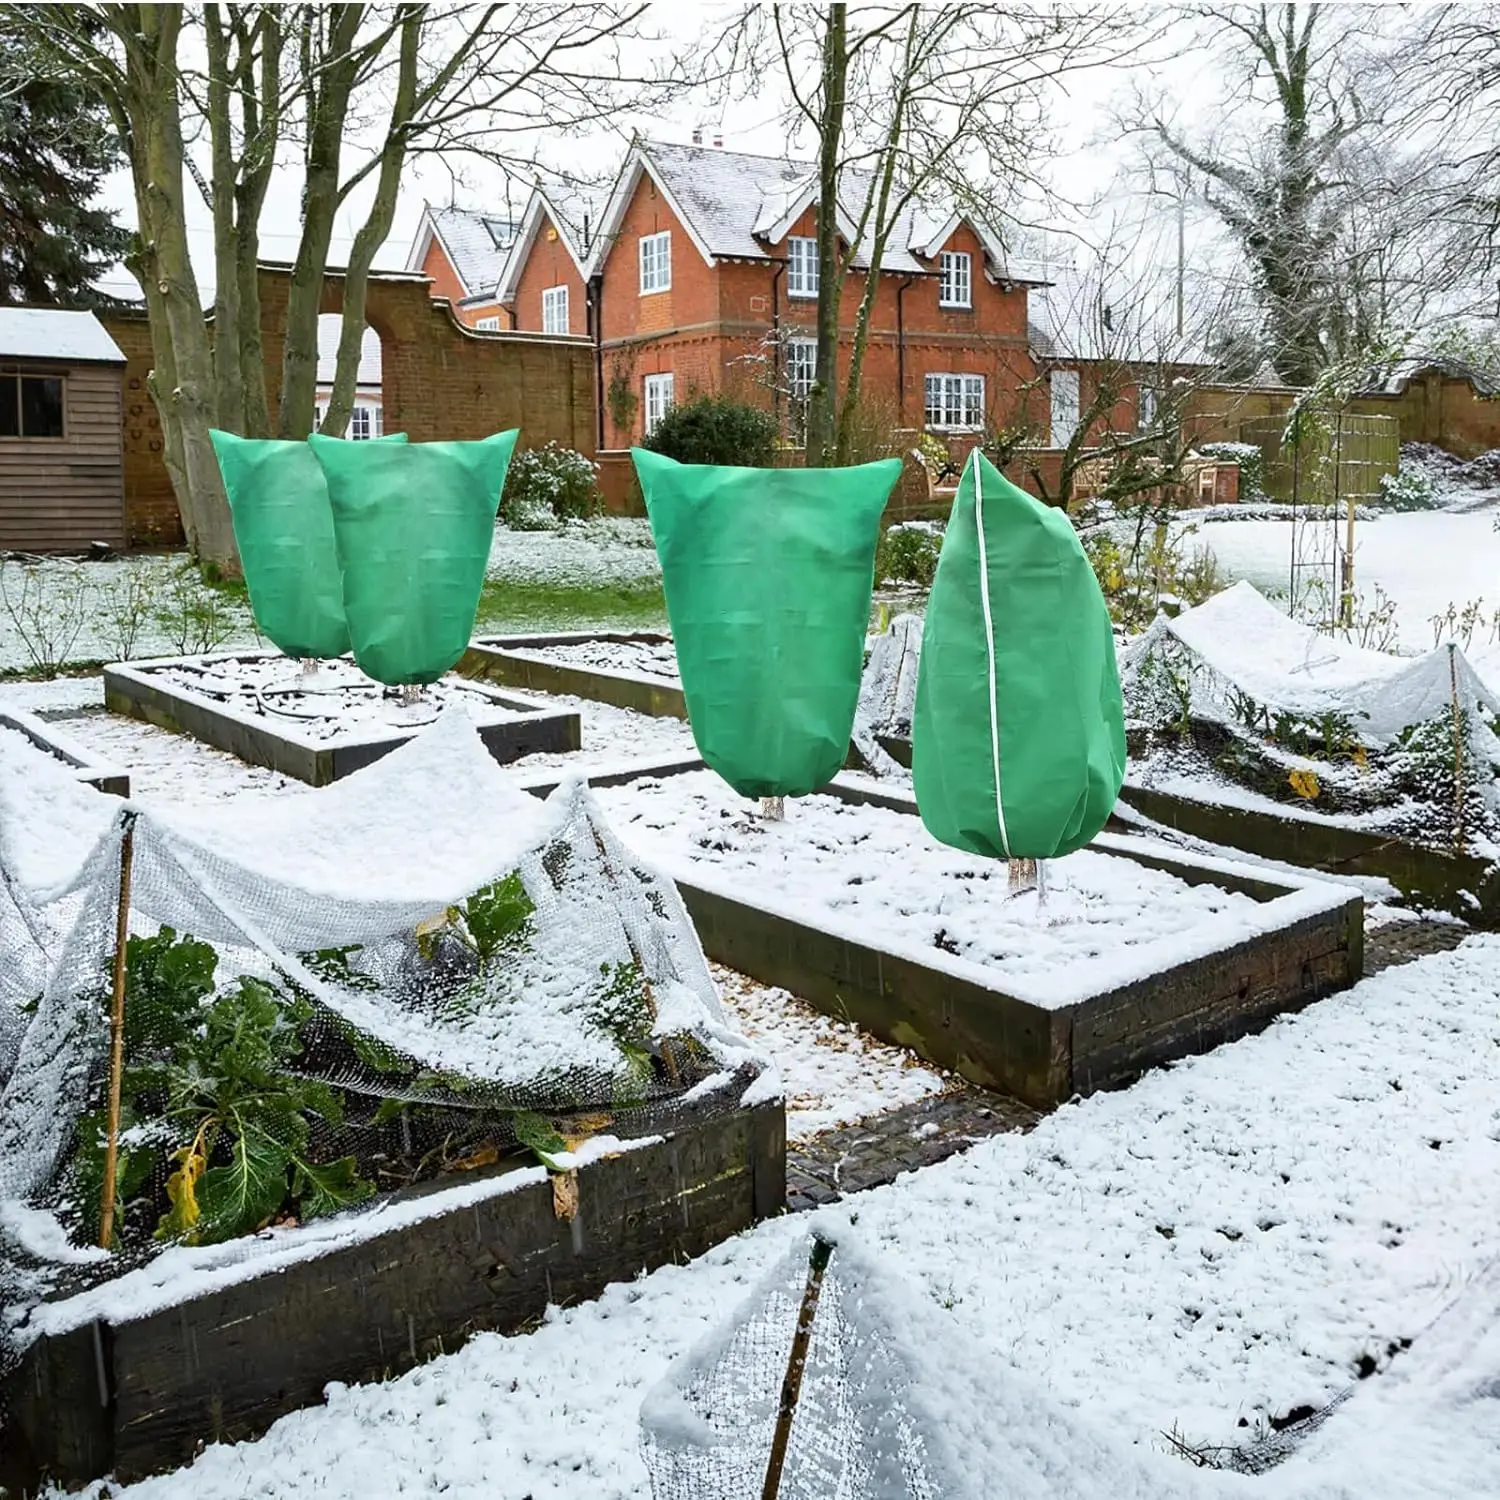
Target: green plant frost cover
413, 526
283, 528
768, 575
1018, 739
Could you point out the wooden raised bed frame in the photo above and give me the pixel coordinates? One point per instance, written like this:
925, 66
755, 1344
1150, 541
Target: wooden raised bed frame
85, 766
134, 690
494, 659
945, 1012
137, 1396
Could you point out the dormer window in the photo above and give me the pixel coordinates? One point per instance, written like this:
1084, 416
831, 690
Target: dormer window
801, 266
955, 288
656, 262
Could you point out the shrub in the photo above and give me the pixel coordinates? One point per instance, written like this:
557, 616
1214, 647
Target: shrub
716, 430
1406, 489
547, 485
908, 553
1251, 464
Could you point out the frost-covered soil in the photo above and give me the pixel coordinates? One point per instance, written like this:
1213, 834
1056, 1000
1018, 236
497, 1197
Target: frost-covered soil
1228, 1240
602, 550
880, 876
334, 702
1424, 561
163, 764
638, 658
834, 1073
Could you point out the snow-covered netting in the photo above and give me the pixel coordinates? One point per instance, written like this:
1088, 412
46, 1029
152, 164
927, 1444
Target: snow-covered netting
1315, 718
329, 993
894, 1404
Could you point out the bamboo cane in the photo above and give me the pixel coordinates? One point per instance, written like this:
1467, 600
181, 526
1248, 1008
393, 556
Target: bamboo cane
791, 1386
1458, 750
117, 1035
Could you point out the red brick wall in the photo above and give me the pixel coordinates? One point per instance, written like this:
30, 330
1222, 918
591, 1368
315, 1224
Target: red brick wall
441, 381
549, 264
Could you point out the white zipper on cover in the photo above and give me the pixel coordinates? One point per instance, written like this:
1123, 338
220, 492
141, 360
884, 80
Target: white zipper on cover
989, 643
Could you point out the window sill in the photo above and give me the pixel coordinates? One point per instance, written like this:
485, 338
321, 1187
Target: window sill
655, 290
956, 306
956, 431
801, 296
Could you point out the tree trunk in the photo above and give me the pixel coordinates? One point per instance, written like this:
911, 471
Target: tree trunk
225, 77
822, 398
374, 232
327, 109
262, 119
183, 381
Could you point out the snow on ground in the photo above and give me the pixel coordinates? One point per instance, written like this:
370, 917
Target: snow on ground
834, 1073
1229, 1239
881, 877
1425, 561
637, 658
603, 550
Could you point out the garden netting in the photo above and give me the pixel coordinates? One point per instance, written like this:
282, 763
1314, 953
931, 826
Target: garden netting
897, 1402
1238, 689
330, 993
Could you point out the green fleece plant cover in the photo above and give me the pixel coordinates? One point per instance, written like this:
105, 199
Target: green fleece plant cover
283, 527
1018, 738
413, 525
768, 575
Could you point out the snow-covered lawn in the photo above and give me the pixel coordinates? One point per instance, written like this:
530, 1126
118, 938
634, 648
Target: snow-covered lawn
1226, 1241
604, 550
1424, 561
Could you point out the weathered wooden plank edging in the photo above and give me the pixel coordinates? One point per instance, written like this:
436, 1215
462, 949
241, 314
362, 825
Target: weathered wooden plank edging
88, 768
135, 1395
946, 1011
130, 690
495, 659
1462, 884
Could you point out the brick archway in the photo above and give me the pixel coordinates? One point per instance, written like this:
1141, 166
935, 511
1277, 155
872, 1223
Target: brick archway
440, 380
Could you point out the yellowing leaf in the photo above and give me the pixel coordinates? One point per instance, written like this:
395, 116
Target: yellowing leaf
1305, 784
182, 1189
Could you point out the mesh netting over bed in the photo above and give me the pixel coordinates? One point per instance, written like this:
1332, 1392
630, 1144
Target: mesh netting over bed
896, 1402
328, 994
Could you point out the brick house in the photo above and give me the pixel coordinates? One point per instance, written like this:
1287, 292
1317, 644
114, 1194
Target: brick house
463, 253
702, 277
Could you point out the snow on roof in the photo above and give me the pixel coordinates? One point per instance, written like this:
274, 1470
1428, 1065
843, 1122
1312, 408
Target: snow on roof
475, 243
52, 333
329, 327
573, 209
1394, 381
735, 204
1072, 316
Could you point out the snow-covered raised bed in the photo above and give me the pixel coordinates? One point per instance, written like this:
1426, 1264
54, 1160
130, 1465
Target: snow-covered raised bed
636, 670
1138, 955
21, 729
318, 726
214, 1343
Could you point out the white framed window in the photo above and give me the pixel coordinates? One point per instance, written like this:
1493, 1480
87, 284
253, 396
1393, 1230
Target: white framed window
801, 366
488, 325
955, 403
1148, 409
1064, 403
956, 286
801, 267
656, 262
658, 399
555, 310
364, 423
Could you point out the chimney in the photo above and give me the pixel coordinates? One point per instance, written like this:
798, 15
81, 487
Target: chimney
697, 137
718, 142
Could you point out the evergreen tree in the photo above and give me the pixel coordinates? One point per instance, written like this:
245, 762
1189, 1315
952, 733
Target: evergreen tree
56, 145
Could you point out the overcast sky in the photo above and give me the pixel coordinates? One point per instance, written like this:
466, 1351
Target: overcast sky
1091, 157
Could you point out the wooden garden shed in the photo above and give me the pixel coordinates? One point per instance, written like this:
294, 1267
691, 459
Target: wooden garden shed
62, 483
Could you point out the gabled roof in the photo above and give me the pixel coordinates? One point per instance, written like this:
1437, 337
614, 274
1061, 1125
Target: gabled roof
475, 244
734, 205
52, 333
571, 210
